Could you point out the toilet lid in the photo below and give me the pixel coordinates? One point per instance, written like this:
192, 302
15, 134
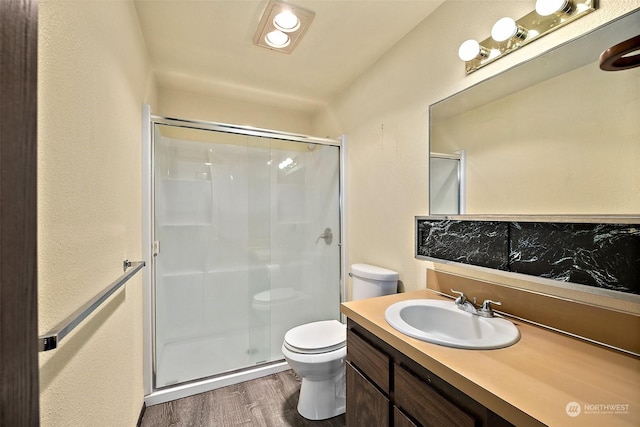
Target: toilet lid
316, 337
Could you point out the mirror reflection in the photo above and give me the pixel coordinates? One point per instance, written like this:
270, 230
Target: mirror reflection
555, 135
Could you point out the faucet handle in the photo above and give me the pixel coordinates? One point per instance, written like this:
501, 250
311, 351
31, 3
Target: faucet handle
462, 298
486, 309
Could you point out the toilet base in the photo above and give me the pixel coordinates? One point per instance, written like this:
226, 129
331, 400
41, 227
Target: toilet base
324, 399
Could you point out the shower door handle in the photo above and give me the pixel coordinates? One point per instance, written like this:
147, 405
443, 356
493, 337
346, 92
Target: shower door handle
327, 236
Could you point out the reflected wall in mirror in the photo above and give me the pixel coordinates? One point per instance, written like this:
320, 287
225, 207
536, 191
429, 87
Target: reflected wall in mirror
555, 135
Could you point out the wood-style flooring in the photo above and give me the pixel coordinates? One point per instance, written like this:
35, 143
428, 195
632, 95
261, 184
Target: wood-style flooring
269, 401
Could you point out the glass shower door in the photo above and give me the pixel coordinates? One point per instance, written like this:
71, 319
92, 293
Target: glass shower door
236, 222
444, 185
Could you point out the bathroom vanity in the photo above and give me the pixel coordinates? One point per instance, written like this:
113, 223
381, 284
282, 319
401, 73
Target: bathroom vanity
546, 378
373, 367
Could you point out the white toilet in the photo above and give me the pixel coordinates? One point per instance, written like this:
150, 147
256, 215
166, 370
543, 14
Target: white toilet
275, 311
316, 351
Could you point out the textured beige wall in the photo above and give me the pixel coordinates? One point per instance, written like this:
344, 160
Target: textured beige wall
93, 80
181, 104
385, 116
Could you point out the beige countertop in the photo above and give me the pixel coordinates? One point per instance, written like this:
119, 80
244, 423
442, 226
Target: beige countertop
530, 383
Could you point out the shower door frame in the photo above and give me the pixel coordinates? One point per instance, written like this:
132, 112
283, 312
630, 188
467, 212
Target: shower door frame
152, 394
461, 158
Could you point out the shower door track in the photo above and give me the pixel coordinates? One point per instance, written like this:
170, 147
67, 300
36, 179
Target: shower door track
155, 395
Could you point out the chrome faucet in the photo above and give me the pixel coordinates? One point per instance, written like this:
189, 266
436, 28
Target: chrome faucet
465, 305
486, 310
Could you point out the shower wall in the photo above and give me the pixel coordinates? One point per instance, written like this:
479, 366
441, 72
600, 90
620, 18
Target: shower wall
236, 221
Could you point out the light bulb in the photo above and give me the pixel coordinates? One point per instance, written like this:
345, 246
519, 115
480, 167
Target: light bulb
277, 39
286, 21
549, 7
469, 50
505, 29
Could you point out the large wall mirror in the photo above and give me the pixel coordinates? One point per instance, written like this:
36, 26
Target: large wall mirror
553, 136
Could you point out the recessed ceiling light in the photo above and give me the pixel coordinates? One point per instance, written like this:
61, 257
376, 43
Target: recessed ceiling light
277, 39
286, 21
282, 19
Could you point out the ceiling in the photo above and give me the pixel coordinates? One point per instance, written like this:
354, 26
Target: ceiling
206, 46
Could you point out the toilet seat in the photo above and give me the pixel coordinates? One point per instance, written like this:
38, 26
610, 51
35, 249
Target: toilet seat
316, 337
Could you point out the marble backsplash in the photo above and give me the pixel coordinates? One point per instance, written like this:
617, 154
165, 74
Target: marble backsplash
600, 255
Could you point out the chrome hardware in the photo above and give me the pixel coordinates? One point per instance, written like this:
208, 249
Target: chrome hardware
486, 310
327, 236
126, 264
463, 304
461, 299
50, 340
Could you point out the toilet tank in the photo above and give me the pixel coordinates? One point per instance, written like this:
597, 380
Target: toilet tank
372, 281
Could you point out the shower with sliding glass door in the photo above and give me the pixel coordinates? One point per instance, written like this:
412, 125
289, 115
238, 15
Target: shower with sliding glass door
245, 234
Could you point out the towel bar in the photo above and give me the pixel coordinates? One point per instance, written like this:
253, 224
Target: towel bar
50, 340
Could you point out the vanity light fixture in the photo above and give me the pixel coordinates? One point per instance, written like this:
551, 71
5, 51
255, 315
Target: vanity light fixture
281, 26
550, 7
471, 49
506, 28
509, 34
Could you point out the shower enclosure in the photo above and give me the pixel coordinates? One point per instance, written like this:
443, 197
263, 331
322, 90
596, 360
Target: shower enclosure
447, 183
245, 232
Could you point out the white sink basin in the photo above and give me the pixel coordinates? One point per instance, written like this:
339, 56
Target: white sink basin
442, 322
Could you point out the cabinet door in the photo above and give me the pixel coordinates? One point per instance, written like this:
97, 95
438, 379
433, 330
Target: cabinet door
366, 405
425, 404
400, 419
369, 360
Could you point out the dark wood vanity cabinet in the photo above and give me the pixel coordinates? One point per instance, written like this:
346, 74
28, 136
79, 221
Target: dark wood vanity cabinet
366, 405
424, 403
401, 420
367, 383
386, 388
